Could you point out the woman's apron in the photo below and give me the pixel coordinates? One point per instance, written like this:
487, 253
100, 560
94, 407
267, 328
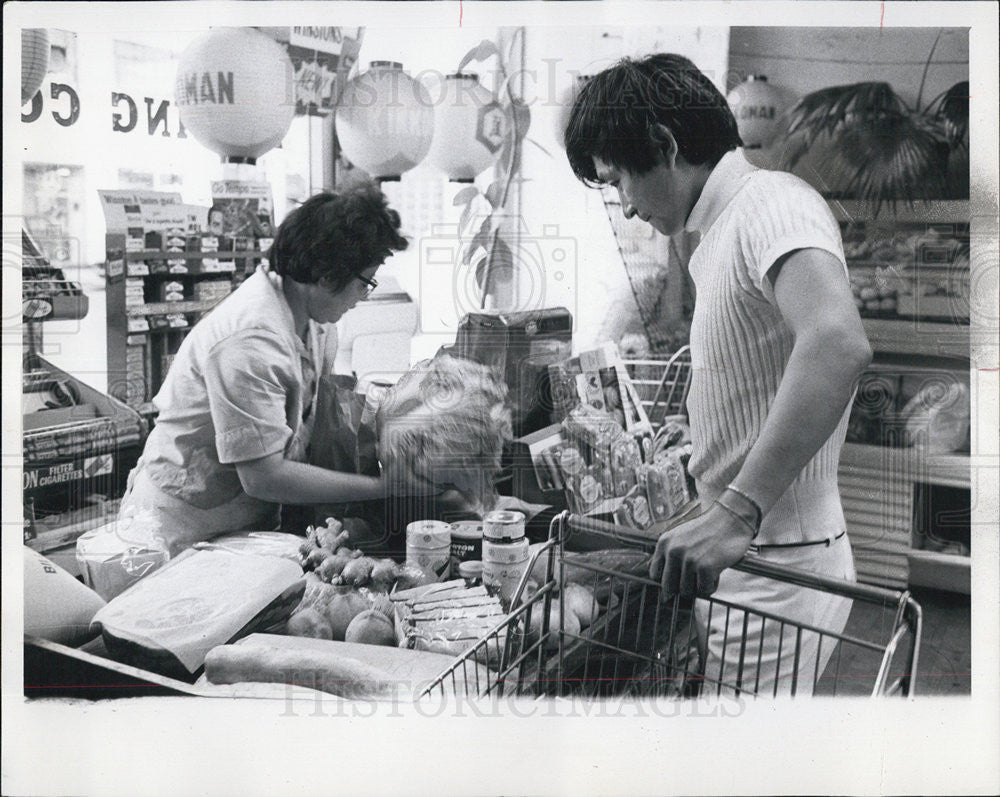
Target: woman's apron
181, 525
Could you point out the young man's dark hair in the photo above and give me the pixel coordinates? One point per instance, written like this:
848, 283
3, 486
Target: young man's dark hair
615, 116
336, 237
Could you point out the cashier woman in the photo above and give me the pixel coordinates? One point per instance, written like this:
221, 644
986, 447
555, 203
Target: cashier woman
236, 408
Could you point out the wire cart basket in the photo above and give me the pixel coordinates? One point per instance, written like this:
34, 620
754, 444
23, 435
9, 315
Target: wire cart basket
662, 385
644, 646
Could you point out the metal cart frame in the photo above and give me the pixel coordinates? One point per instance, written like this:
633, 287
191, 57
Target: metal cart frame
648, 646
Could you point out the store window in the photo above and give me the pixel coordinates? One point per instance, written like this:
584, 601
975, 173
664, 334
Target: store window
53, 211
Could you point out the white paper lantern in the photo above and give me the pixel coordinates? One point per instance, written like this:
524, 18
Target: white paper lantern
757, 106
469, 128
566, 99
34, 60
385, 121
234, 91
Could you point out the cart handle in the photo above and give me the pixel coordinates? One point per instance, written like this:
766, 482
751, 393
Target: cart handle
751, 563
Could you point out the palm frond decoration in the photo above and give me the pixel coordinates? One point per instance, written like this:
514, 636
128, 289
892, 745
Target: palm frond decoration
879, 150
951, 109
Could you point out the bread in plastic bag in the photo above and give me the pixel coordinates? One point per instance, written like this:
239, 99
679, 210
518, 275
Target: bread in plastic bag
116, 555
169, 621
444, 424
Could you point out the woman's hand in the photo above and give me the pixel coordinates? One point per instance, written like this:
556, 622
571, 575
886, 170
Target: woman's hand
690, 557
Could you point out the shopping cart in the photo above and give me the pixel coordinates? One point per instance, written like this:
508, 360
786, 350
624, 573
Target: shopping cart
662, 385
645, 646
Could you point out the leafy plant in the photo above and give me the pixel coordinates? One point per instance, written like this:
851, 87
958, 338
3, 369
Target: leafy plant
485, 214
887, 150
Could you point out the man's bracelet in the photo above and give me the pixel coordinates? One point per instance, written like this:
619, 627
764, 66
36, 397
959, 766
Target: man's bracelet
739, 517
756, 507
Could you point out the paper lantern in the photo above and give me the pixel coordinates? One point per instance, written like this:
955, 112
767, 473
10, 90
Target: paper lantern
469, 128
757, 106
566, 99
34, 60
385, 121
234, 91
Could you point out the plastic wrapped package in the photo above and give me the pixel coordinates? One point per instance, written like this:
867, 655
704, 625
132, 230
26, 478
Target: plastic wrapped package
169, 621
116, 555
258, 543
444, 424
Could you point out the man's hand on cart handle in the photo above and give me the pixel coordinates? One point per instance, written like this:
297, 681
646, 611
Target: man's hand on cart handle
690, 557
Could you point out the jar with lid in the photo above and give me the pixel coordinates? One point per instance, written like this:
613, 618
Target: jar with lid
505, 553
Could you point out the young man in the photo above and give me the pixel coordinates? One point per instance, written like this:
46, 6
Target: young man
776, 343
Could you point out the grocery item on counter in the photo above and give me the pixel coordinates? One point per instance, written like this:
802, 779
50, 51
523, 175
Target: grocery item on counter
449, 618
444, 423
326, 553
57, 607
505, 553
340, 668
168, 621
471, 571
262, 543
503, 526
373, 626
466, 544
428, 546
339, 675
118, 554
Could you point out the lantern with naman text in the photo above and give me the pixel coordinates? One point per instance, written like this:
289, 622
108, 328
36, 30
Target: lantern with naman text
34, 61
385, 121
757, 106
234, 92
469, 128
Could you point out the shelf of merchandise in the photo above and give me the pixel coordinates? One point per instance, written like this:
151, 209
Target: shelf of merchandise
140, 341
878, 483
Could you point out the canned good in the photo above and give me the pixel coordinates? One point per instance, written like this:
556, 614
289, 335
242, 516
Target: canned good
472, 572
466, 543
428, 545
503, 526
503, 565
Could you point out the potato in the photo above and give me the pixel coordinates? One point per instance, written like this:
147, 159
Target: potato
309, 623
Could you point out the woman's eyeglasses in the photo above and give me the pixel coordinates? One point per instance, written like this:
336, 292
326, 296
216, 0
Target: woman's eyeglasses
370, 284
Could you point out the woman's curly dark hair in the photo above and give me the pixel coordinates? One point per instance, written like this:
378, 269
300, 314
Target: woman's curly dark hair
615, 115
336, 237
